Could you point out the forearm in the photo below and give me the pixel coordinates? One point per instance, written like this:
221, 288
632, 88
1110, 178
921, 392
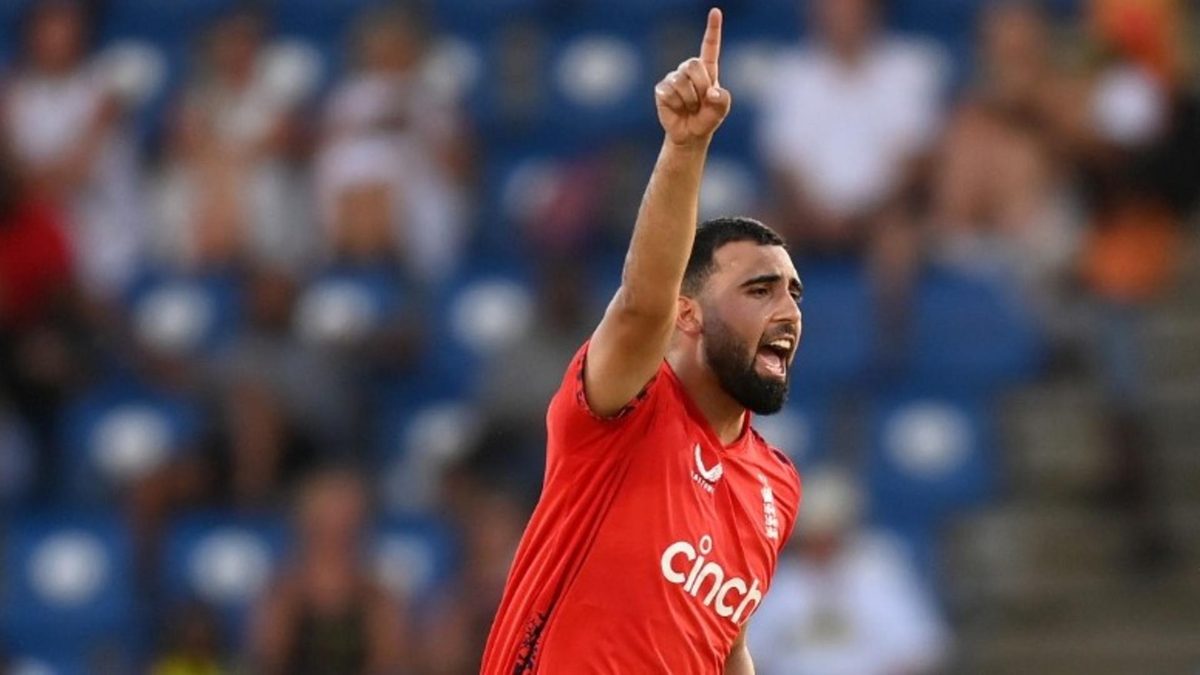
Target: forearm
739, 661
666, 226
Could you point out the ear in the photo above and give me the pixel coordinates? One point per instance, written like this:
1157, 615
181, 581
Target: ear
689, 319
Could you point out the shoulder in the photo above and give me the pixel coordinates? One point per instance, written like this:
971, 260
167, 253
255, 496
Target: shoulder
916, 60
779, 463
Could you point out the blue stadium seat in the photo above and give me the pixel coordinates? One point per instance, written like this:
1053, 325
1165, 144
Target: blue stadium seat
323, 22
46, 664
161, 21
185, 314
473, 17
18, 461
416, 443
344, 304
973, 331
11, 13
69, 586
801, 430
600, 86
932, 453
119, 432
838, 342
413, 556
225, 561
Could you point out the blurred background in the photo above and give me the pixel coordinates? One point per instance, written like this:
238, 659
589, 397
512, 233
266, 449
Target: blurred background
286, 286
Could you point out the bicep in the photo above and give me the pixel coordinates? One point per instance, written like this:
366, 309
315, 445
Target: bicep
624, 353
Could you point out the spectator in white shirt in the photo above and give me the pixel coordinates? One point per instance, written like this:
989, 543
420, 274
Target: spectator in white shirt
399, 114
845, 601
842, 132
64, 121
231, 188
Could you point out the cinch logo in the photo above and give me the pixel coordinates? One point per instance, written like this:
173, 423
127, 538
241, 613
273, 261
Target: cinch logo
731, 598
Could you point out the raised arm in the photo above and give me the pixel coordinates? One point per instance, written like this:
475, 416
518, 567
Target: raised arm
631, 341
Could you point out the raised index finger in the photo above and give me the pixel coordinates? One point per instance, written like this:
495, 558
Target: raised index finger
710, 48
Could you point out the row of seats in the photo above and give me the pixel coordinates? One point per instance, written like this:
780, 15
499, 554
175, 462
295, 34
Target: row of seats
71, 590
592, 63
70, 585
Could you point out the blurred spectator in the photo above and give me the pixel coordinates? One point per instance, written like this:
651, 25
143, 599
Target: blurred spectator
35, 261
845, 601
1142, 175
193, 645
64, 120
327, 614
283, 401
457, 626
517, 383
393, 132
844, 123
230, 190
1001, 196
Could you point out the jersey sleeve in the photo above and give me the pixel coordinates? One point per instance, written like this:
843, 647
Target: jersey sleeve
573, 426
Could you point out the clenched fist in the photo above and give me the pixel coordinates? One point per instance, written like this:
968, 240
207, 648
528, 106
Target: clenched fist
691, 103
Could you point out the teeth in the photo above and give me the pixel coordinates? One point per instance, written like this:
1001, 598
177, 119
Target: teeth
782, 343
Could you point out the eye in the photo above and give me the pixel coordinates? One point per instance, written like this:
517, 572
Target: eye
760, 291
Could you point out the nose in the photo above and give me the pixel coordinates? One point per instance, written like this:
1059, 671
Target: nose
788, 312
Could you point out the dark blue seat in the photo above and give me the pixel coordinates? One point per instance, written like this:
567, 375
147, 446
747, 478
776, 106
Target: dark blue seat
932, 454
224, 560
161, 21
69, 586
119, 432
413, 556
839, 333
971, 331
191, 314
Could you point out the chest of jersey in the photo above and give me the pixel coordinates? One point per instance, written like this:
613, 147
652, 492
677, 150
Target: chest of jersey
694, 528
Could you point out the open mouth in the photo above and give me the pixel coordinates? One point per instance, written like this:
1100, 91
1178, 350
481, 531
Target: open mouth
773, 356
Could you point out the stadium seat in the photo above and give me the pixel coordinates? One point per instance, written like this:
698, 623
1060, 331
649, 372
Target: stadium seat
801, 430
413, 556
11, 12
49, 664
185, 315
18, 461
69, 586
223, 560
416, 444
119, 432
345, 304
837, 346
164, 22
600, 87
971, 331
932, 453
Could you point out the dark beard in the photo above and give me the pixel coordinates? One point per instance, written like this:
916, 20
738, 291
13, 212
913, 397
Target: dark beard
735, 370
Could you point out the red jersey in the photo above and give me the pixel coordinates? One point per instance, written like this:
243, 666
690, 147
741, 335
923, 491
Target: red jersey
652, 542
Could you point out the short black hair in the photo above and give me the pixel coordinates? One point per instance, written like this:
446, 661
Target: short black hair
712, 235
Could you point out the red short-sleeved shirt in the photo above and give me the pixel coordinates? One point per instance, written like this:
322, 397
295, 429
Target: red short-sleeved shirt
652, 542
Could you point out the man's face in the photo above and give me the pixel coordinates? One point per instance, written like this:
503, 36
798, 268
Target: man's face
846, 24
751, 323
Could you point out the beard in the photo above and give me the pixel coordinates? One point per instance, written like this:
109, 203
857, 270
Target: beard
733, 363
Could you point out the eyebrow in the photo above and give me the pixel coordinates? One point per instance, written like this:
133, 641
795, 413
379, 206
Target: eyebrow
794, 284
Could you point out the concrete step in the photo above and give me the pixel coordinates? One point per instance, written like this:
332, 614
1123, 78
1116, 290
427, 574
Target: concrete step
1012, 553
1052, 435
1151, 650
1172, 346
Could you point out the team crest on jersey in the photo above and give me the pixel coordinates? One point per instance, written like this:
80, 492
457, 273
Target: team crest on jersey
706, 476
770, 514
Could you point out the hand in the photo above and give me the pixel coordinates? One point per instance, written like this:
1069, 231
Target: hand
691, 103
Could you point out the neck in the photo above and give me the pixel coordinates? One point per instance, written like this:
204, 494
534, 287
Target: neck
725, 415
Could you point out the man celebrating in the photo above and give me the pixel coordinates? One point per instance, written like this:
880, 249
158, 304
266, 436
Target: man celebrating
663, 512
